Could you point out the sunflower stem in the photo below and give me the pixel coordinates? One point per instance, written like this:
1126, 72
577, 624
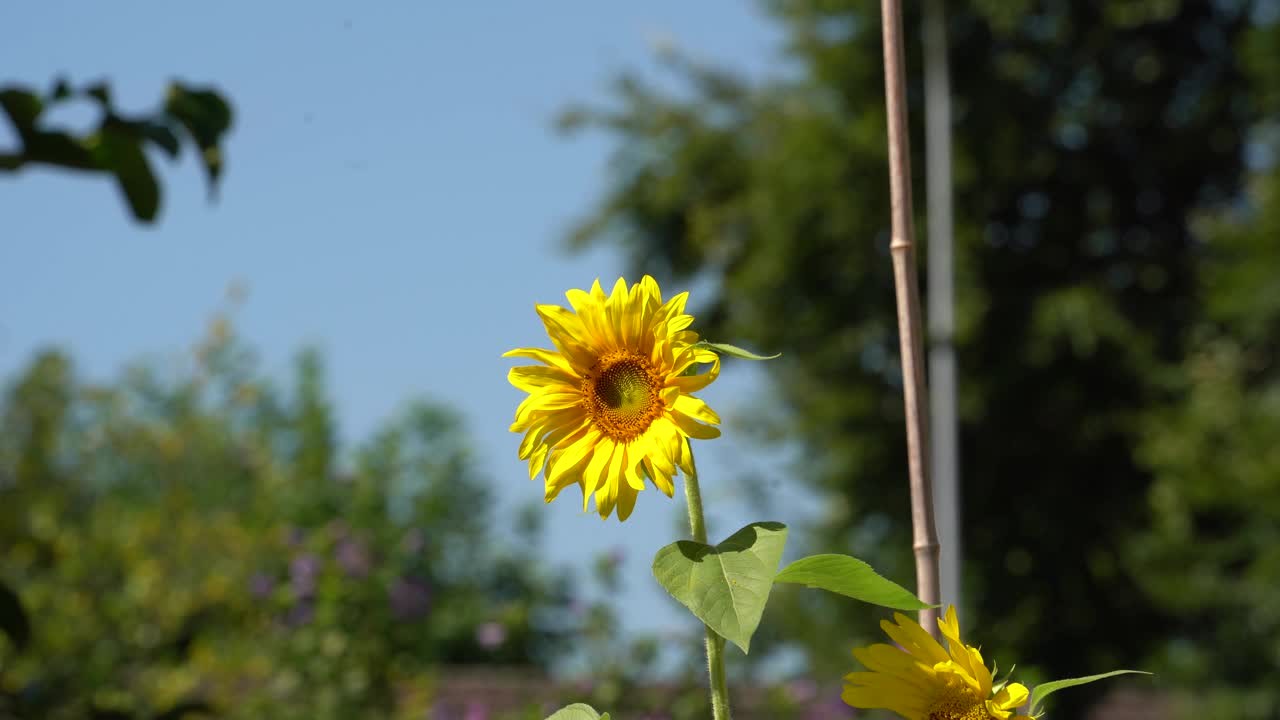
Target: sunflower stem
902, 247
715, 643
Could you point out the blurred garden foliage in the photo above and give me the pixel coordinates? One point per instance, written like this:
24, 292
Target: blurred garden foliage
192, 541
1118, 230
188, 539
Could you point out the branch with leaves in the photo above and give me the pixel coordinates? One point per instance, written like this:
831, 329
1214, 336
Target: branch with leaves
188, 115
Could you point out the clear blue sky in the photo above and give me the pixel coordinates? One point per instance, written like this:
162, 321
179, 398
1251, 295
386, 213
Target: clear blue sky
394, 194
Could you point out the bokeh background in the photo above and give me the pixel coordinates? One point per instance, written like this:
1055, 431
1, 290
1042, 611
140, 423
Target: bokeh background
253, 453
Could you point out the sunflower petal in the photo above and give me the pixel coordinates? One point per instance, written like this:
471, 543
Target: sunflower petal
550, 357
692, 428
593, 476
564, 328
626, 501
696, 409
532, 378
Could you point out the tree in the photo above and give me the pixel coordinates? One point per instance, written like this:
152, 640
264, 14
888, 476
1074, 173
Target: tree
1089, 137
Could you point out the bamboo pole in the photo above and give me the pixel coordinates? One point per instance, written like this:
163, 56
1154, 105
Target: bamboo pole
902, 247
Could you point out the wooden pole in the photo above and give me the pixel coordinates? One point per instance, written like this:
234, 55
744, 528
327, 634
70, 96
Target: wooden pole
902, 247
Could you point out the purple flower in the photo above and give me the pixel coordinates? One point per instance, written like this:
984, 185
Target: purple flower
303, 571
299, 614
353, 558
410, 598
261, 585
491, 635
476, 710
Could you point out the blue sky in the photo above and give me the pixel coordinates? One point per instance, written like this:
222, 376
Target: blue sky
394, 194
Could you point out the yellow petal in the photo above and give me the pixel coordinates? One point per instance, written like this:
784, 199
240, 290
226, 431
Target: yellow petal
694, 383
674, 307
543, 403
626, 501
550, 357
1011, 696
692, 428
575, 453
568, 335
914, 639
632, 472
869, 698
532, 378
685, 457
696, 409
593, 476
662, 463
537, 460
661, 480
894, 661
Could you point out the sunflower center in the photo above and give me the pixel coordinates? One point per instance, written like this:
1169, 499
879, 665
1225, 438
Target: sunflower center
623, 395
958, 702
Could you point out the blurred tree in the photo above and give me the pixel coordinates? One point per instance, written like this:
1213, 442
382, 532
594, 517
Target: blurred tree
1088, 137
195, 539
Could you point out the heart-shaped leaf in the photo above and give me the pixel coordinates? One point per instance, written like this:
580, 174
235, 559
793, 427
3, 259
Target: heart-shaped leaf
578, 711
725, 586
1044, 690
850, 577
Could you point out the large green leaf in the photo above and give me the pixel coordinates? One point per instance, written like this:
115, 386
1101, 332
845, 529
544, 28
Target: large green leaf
725, 586
850, 577
1044, 690
577, 711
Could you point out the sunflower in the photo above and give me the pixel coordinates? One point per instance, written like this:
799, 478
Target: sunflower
919, 680
611, 405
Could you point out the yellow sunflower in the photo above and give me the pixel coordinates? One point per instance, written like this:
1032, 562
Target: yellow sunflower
919, 680
611, 405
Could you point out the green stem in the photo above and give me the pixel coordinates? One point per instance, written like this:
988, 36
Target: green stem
715, 643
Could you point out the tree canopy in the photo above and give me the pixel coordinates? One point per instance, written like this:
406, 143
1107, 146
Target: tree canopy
1117, 330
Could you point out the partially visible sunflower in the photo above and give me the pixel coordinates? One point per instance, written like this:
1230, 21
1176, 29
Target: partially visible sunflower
920, 680
611, 405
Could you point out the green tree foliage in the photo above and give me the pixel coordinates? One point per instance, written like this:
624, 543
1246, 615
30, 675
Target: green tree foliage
1101, 330
117, 146
195, 539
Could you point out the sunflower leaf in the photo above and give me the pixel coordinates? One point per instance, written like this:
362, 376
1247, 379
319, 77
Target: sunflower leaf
1044, 690
850, 577
725, 586
734, 351
578, 711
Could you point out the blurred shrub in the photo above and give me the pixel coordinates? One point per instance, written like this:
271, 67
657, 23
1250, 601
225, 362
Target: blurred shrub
196, 539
